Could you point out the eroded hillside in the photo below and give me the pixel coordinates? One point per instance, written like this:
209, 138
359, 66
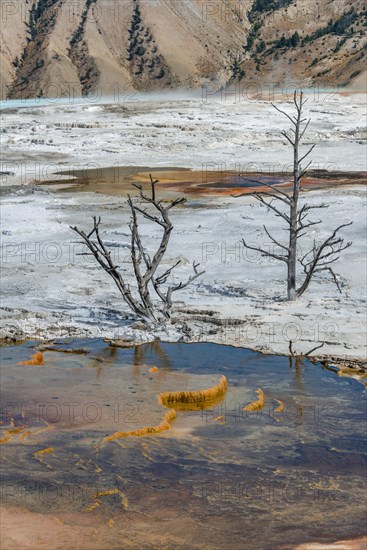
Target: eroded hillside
62, 48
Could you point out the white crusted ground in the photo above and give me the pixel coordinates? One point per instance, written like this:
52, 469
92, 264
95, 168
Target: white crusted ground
38, 141
48, 289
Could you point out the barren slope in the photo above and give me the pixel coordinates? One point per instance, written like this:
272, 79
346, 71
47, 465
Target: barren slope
58, 48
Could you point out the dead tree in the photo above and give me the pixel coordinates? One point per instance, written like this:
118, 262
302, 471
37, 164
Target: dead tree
145, 267
299, 356
321, 256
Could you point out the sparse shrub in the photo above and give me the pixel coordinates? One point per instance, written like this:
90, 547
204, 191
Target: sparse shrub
161, 74
261, 46
236, 70
339, 44
140, 51
353, 75
294, 39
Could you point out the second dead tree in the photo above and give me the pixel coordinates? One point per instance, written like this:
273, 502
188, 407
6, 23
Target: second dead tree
321, 256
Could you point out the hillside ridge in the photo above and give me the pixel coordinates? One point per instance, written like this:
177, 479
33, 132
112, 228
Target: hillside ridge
52, 48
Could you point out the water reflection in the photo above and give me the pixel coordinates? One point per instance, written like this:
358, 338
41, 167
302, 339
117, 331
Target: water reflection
150, 351
296, 363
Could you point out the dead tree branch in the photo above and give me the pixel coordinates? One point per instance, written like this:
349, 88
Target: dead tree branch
293, 353
320, 257
145, 267
308, 353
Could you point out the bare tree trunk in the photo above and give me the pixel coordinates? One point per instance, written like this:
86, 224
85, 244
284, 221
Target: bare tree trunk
320, 256
292, 254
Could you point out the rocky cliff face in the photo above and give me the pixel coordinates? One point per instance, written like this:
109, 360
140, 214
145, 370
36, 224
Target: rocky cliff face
56, 48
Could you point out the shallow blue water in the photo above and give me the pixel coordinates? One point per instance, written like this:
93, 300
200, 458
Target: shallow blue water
230, 478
